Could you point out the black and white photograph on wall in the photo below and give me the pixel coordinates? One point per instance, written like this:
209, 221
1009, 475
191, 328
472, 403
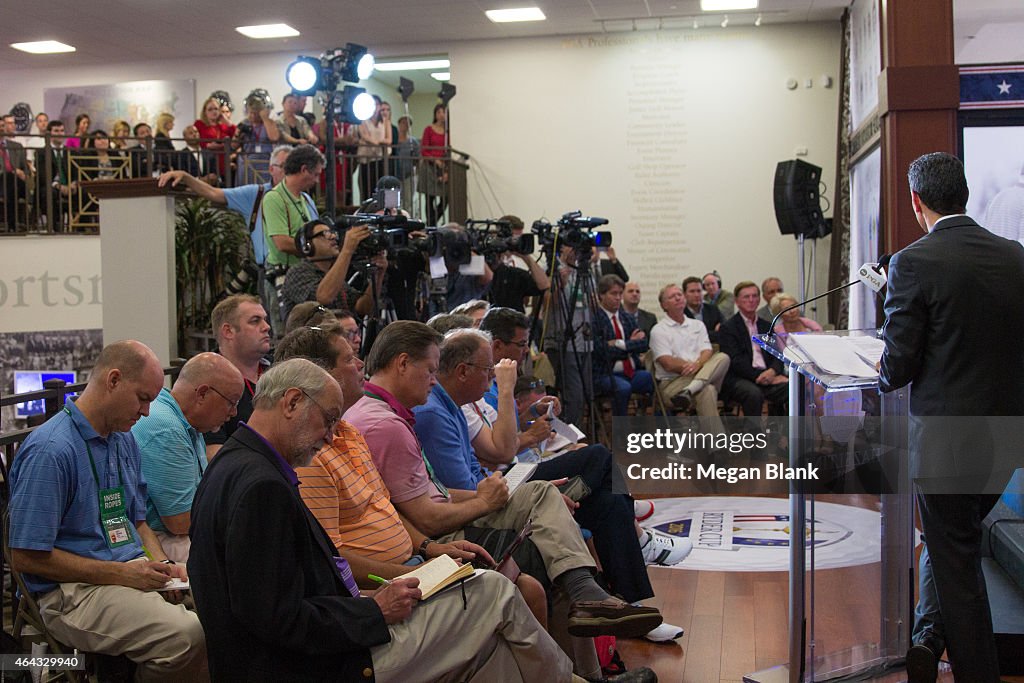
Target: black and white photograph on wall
27, 359
994, 163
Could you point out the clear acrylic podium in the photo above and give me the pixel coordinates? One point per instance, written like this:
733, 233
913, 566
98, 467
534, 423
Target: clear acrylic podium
848, 642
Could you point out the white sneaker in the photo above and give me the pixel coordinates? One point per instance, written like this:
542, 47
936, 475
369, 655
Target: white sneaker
665, 633
664, 549
642, 509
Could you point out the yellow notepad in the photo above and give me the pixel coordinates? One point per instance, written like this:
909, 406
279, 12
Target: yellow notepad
438, 574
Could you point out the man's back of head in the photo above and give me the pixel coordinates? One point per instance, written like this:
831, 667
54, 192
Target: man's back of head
938, 179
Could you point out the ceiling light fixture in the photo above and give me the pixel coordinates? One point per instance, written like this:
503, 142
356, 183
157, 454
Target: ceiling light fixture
725, 21
441, 76
267, 31
725, 5
43, 47
695, 24
501, 16
414, 65
757, 22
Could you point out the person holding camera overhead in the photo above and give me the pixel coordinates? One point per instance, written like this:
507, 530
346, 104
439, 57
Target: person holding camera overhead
257, 136
322, 275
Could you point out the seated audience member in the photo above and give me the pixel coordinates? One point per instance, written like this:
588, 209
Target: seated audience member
318, 626
476, 309
698, 310
322, 275
242, 331
78, 531
517, 276
78, 138
344, 491
688, 370
769, 288
754, 375
443, 323
171, 445
120, 133
791, 321
716, 296
450, 438
308, 314
351, 330
644, 320
402, 365
618, 344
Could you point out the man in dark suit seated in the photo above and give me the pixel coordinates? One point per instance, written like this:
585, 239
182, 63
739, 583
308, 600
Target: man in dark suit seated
709, 314
14, 171
754, 374
957, 272
618, 344
645, 320
278, 603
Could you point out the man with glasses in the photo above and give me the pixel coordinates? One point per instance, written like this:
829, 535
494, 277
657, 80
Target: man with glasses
171, 444
322, 275
403, 365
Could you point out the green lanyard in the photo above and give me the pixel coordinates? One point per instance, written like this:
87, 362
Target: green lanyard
442, 489
117, 530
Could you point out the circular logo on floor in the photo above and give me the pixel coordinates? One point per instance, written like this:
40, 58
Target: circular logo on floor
734, 534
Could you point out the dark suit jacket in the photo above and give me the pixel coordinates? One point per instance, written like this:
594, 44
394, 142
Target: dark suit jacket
605, 357
645, 320
954, 325
16, 153
712, 318
955, 322
606, 267
735, 342
267, 591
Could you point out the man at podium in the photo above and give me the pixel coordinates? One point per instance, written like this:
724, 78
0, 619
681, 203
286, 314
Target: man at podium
957, 272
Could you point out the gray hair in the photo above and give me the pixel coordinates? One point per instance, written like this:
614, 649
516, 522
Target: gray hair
281, 148
295, 373
460, 346
446, 322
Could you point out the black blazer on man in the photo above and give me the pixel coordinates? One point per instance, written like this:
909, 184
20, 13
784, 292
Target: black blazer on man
955, 322
712, 318
735, 343
605, 356
267, 591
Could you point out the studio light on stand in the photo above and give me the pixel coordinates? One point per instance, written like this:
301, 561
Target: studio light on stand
308, 76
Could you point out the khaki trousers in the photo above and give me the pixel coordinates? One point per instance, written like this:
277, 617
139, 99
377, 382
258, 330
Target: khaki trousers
165, 641
706, 400
493, 637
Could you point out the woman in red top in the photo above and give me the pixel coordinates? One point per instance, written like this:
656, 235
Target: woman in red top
434, 168
214, 126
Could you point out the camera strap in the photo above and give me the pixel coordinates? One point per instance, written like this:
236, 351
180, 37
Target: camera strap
256, 208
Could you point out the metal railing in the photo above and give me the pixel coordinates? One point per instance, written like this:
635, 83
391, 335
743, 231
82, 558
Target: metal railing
45, 193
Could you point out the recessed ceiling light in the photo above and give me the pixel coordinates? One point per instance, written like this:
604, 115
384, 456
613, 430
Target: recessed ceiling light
500, 16
43, 47
441, 76
414, 65
724, 5
267, 31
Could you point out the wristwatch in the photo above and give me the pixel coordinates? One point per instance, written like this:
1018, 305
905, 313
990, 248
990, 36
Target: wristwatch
423, 547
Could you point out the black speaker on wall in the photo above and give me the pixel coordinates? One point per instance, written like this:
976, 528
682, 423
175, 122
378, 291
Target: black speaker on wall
797, 199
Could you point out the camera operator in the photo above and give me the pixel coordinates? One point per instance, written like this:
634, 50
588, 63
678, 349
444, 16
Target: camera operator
322, 275
256, 136
461, 287
516, 275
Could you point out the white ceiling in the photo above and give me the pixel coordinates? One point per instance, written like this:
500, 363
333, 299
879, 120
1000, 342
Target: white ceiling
106, 31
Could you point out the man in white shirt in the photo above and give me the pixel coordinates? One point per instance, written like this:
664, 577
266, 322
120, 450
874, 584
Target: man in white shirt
687, 368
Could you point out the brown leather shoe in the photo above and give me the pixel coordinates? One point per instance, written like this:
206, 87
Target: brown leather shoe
611, 617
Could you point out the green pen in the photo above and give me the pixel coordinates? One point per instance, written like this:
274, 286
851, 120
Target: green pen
382, 581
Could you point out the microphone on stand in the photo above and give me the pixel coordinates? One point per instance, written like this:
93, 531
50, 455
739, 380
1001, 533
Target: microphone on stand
870, 274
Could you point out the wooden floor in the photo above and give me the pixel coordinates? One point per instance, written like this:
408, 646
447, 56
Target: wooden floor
736, 622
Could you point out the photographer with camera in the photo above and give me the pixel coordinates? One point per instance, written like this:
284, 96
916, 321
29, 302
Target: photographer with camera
516, 274
322, 276
285, 209
256, 136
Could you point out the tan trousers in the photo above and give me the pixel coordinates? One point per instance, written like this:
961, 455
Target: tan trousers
165, 641
555, 533
706, 400
493, 638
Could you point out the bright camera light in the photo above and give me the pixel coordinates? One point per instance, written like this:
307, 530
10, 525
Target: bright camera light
302, 76
364, 106
365, 68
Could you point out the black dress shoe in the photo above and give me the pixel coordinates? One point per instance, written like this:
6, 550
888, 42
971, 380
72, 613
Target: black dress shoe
641, 675
922, 664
